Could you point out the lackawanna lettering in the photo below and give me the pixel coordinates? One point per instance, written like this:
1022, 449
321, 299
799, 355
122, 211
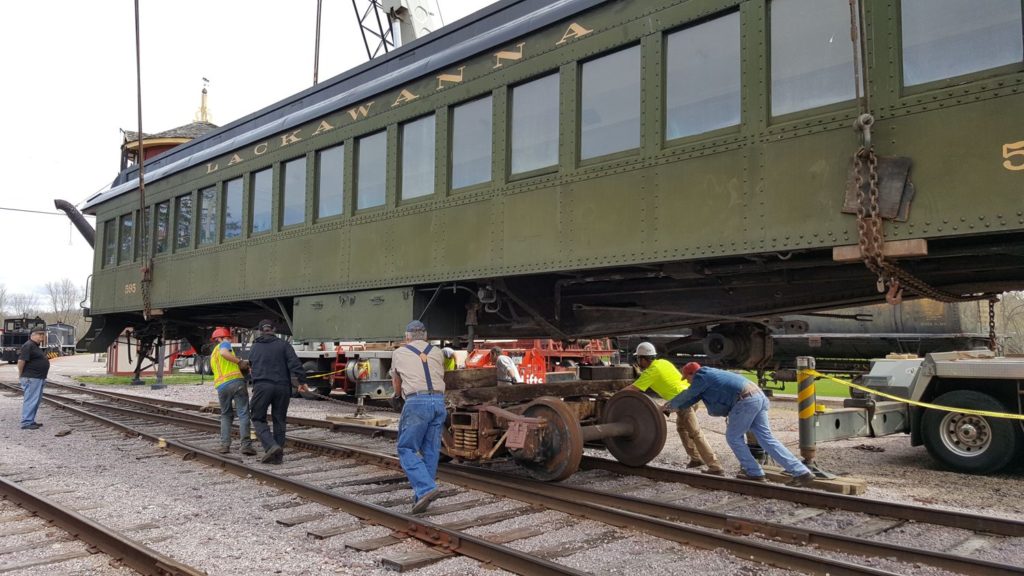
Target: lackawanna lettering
405, 95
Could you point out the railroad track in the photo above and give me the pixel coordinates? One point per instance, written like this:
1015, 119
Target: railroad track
55, 534
747, 536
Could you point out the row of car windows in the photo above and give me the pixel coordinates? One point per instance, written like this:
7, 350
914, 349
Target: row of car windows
812, 65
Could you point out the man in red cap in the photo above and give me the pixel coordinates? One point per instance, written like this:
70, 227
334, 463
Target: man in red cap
662, 376
231, 392
728, 394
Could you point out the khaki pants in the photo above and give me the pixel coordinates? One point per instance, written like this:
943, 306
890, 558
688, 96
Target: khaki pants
696, 446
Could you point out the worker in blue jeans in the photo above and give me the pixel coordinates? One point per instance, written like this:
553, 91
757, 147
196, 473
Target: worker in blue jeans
728, 394
33, 367
417, 373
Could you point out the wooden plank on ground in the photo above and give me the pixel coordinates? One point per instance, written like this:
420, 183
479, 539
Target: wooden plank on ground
415, 559
492, 518
15, 518
143, 526
730, 503
300, 519
23, 530
375, 543
570, 548
331, 531
44, 561
33, 545
974, 542
839, 485
282, 505
378, 479
381, 489
872, 527
516, 534
797, 516
458, 506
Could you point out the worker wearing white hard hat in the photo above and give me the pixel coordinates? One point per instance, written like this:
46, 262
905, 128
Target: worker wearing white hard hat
662, 377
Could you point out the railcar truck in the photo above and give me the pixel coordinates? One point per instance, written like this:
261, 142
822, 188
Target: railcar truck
987, 439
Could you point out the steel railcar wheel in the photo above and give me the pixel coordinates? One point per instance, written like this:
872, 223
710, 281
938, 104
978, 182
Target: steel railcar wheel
561, 443
649, 429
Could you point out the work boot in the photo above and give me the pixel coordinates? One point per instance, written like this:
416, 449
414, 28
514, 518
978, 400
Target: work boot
744, 476
271, 454
714, 472
225, 448
802, 480
248, 450
695, 463
421, 505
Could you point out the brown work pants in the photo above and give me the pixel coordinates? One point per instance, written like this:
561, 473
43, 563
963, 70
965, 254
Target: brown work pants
696, 446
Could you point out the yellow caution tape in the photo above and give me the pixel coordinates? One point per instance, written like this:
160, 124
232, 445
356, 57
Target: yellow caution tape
325, 375
916, 403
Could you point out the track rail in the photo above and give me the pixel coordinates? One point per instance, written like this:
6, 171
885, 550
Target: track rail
142, 559
430, 533
650, 516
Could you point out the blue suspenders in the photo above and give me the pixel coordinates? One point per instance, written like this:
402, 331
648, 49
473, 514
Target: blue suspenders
423, 358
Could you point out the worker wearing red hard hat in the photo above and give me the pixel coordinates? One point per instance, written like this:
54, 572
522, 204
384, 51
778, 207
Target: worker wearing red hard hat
662, 376
231, 392
729, 394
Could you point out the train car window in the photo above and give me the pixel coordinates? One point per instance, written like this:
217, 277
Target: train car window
126, 239
330, 188
293, 190
949, 38
262, 200
163, 213
110, 242
471, 143
183, 223
418, 158
371, 171
811, 54
702, 77
610, 104
535, 124
207, 215
232, 209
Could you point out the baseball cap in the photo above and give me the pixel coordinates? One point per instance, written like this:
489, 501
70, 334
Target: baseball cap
39, 329
266, 324
416, 326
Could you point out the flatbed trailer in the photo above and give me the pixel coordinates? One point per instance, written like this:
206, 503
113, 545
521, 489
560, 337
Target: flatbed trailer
988, 437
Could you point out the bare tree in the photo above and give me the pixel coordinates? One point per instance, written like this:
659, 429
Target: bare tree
64, 297
24, 305
3, 301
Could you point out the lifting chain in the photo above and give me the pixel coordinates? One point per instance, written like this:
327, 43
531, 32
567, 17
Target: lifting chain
992, 323
147, 281
871, 238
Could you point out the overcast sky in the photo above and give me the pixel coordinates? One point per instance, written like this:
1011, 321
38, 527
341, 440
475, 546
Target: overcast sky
68, 70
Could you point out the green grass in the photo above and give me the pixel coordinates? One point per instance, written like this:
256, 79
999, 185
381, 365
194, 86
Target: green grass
169, 379
822, 387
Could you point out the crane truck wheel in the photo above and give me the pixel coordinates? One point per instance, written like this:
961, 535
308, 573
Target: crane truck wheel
969, 443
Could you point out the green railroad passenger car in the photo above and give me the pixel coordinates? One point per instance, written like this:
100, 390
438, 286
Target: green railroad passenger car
581, 168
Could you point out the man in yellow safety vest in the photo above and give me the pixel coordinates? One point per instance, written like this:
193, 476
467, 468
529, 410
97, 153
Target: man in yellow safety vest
231, 392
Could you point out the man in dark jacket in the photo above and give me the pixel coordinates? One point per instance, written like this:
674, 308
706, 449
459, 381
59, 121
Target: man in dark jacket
275, 370
33, 366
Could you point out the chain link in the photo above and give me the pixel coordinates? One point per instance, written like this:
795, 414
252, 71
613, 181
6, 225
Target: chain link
992, 324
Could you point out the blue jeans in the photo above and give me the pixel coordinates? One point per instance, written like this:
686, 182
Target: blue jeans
419, 440
752, 414
234, 393
33, 388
